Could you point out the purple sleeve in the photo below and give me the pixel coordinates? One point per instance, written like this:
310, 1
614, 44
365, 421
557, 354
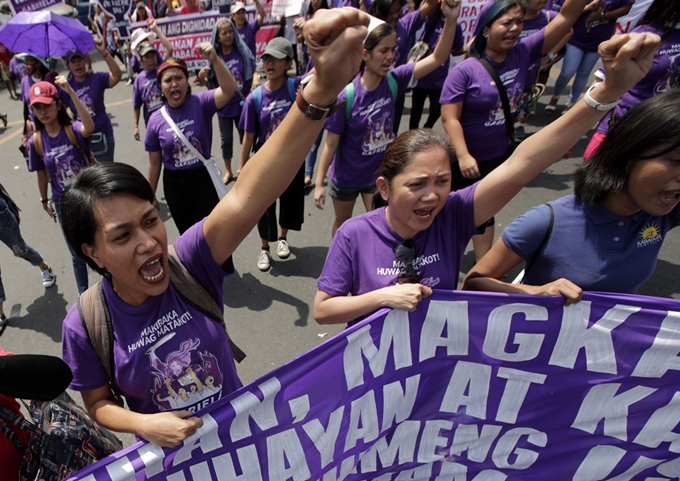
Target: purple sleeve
207, 99
77, 128
104, 79
137, 94
456, 84
524, 234
135, 64
337, 123
410, 22
152, 142
248, 121
196, 256
35, 162
78, 353
459, 213
534, 45
337, 274
404, 75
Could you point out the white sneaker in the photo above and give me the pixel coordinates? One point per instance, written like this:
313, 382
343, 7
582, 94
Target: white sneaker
283, 249
49, 278
264, 261
130, 81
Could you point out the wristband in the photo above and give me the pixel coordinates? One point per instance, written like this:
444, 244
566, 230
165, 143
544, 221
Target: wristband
44, 201
552, 56
599, 106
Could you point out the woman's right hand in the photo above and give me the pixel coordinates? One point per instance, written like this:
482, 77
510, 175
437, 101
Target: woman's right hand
468, 166
169, 429
404, 297
560, 287
319, 196
47, 206
627, 59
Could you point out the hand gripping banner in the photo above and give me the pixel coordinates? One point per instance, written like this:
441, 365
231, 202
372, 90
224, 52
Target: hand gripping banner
470, 386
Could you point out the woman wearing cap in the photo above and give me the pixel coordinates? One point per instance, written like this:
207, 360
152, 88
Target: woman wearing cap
146, 93
358, 136
240, 62
263, 111
56, 158
394, 256
472, 107
188, 188
125, 238
90, 88
245, 29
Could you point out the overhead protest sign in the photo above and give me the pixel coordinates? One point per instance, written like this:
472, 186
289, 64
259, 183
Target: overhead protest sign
185, 32
120, 11
17, 6
470, 386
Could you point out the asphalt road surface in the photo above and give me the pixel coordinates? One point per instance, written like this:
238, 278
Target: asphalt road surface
269, 314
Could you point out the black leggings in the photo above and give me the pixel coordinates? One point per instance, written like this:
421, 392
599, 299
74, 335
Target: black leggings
190, 195
418, 102
291, 209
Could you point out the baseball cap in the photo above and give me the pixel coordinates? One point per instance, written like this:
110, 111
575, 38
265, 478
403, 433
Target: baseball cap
138, 36
139, 5
172, 63
145, 48
237, 7
43, 93
71, 54
279, 48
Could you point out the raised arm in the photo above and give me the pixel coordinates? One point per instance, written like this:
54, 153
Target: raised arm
334, 39
627, 59
153, 26
260, 12
225, 80
115, 73
88, 125
451, 10
559, 27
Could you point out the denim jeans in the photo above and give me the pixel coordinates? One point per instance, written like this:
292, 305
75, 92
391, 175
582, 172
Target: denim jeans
10, 235
578, 62
79, 265
108, 156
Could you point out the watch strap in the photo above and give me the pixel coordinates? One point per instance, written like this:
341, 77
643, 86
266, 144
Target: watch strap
315, 112
599, 106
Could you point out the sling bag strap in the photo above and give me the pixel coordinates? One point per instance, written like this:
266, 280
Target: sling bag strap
38, 145
96, 318
503, 94
180, 135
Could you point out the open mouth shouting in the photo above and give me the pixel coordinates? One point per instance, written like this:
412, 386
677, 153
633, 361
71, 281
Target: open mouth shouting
670, 197
152, 272
424, 214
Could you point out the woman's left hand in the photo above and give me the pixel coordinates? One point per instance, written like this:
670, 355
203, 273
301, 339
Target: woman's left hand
62, 82
207, 50
451, 9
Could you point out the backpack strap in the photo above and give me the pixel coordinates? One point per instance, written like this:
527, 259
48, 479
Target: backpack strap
194, 294
394, 86
257, 98
290, 85
94, 314
71, 134
349, 99
37, 143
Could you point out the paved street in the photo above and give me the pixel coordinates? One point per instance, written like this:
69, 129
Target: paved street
268, 314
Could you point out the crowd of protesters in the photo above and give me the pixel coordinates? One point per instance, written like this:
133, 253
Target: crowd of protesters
427, 194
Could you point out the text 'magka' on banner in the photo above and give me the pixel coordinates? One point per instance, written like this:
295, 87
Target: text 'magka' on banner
470, 386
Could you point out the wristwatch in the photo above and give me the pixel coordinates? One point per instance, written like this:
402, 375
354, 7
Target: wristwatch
311, 111
599, 106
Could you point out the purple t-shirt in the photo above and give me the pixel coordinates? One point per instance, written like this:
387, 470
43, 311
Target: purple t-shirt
530, 28
274, 107
62, 159
361, 256
234, 63
663, 75
146, 93
368, 132
589, 37
247, 33
17, 67
194, 119
482, 118
619, 255
91, 93
168, 355
406, 29
435, 79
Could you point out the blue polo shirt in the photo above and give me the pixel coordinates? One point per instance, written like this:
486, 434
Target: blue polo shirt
592, 247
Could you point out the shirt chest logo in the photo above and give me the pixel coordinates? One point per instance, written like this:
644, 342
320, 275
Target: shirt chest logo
650, 234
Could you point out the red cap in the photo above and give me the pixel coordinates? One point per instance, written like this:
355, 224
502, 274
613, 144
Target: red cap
43, 93
172, 63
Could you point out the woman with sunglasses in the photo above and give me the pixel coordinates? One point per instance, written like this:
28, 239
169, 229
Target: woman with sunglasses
422, 232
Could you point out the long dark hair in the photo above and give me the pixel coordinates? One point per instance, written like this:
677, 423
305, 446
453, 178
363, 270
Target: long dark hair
648, 130
93, 184
381, 8
478, 45
310, 10
377, 34
400, 152
663, 13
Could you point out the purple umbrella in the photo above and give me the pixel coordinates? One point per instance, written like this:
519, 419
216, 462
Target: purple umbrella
45, 34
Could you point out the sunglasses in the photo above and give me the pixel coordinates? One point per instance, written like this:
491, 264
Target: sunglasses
405, 253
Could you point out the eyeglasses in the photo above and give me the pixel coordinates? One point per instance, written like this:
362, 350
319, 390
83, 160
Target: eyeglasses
405, 253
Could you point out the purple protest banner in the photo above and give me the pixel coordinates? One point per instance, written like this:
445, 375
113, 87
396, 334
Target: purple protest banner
470, 386
185, 32
120, 11
31, 5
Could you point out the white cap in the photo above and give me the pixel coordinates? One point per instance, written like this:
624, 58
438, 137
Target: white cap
237, 6
138, 36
